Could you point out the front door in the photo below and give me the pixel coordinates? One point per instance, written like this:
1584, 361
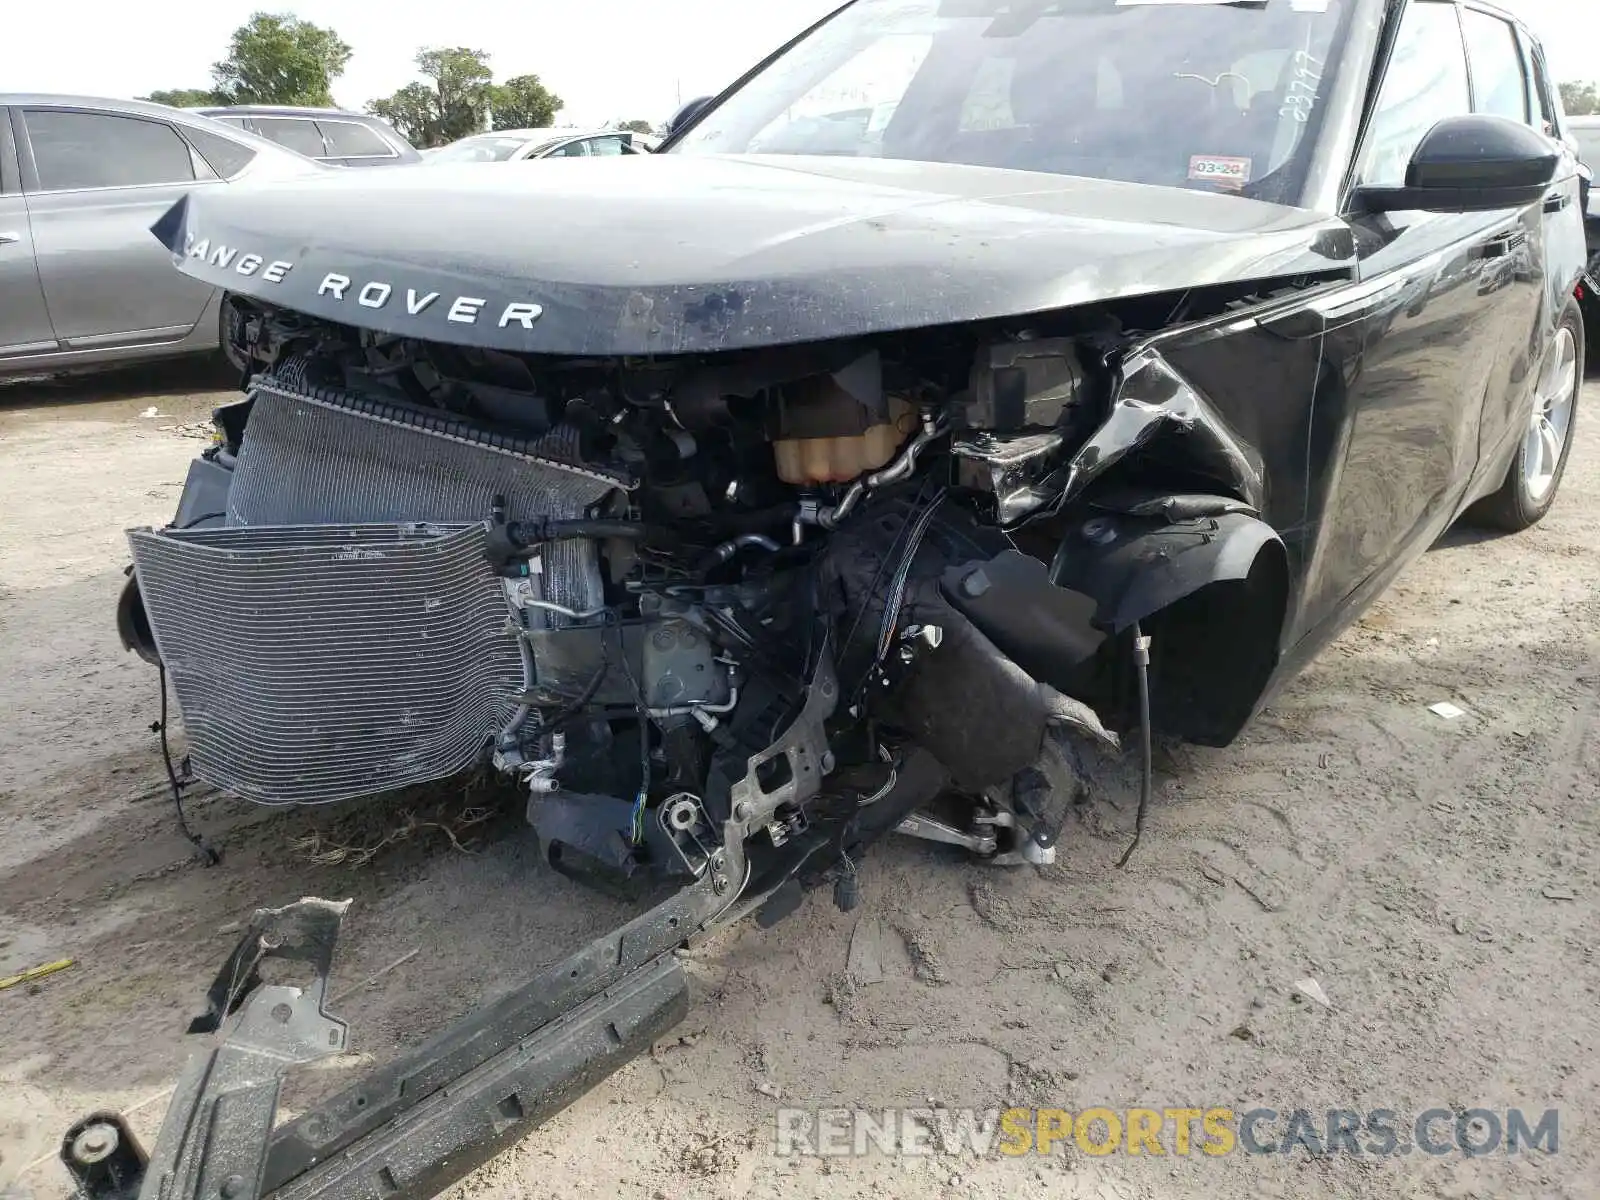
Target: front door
96, 182
1443, 295
1504, 84
24, 319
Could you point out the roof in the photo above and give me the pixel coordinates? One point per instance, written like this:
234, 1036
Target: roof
132, 106
282, 110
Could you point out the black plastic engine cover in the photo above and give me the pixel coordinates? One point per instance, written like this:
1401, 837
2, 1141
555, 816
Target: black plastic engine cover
973, 708
1047, 629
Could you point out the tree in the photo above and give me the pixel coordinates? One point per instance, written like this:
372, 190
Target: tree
411, 111
276, 58
524, 103
637, 126
1580, 99
184, 97
454, 104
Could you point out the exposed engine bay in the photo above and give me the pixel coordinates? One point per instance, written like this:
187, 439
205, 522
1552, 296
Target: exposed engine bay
674, 596
727, 619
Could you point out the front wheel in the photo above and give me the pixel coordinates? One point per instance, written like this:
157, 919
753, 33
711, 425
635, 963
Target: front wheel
230, 333
1535, 475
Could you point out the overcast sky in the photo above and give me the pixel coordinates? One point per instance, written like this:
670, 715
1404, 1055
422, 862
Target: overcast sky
622, 59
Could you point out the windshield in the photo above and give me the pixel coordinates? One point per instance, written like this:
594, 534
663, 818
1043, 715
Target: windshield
1185, 93
479, 149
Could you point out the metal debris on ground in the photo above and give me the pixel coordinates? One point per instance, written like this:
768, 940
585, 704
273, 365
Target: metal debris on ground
1447, 710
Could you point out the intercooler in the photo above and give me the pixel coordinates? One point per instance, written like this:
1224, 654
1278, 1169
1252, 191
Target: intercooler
344, 633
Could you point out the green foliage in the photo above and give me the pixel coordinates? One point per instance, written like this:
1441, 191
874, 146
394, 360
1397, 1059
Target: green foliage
524, 103
276, 58
411, 112
184, 97
453, 102
637, 126
1580, 99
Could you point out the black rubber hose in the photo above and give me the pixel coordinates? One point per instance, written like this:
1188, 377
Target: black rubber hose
1141, 661
530, 533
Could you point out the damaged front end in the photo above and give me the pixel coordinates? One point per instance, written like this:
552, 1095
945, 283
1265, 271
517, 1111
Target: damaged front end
729, 619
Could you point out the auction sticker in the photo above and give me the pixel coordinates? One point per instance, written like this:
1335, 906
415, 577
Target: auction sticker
1230, 172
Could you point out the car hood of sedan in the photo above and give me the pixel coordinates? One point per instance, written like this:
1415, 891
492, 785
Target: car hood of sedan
678, 254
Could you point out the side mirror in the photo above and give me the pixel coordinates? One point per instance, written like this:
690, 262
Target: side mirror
1471, 164
687, 113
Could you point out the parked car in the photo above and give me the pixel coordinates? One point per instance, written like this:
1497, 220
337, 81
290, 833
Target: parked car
513, 145
1583, 133
329, 135
747, 507
83, 282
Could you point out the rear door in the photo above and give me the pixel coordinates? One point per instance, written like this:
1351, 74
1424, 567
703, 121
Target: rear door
1500, 87
299, 134
352, 144
95, 182
24, 319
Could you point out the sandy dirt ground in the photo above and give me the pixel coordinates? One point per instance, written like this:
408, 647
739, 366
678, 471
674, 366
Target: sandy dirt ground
1438, 878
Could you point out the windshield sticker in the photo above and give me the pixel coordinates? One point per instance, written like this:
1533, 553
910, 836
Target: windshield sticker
1304, 87
1223, 171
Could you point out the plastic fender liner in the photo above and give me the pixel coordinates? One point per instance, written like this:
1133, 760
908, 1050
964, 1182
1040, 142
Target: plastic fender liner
1134, 566
1210, 590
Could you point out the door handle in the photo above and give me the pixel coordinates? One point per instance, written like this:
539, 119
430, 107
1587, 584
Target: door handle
8, 236
1556, 202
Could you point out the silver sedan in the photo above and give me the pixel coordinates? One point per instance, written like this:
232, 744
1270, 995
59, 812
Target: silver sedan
83, 280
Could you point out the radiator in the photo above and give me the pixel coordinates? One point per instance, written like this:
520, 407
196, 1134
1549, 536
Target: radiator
344, 633
314, 456
320, 664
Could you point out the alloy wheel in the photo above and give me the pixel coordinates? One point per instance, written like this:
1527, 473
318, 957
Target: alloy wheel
1552, 416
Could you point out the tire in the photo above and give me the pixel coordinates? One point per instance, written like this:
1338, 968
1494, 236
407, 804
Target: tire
1534, 479
226, 313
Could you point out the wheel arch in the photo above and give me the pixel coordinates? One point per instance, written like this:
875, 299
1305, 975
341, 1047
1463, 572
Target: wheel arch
1208, 582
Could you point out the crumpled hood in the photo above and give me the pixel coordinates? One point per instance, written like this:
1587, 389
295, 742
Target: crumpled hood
684, 254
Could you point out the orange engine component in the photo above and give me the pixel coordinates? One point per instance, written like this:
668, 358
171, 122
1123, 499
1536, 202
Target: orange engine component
815, 460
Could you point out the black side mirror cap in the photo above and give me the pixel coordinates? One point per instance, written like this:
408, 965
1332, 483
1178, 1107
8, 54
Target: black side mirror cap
687, 113
1471, 164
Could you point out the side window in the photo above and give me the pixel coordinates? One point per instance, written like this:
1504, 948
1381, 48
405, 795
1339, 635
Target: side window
1498, 86
1541, 98
1426, 82
297, 133
350, 139
606, 146
226, 156
97, 150
571, 150
8, 159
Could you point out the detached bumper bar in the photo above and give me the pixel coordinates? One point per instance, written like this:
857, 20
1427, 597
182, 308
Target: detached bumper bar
413, 1127
458, 1129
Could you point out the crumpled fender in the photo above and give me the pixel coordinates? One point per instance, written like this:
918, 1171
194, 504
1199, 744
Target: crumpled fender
1135, 562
